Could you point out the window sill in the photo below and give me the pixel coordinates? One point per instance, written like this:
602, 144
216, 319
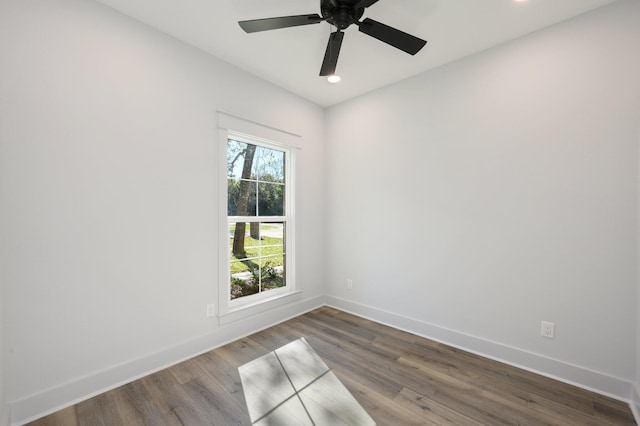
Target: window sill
245, 311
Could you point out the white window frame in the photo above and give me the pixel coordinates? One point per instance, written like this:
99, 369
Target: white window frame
230, 310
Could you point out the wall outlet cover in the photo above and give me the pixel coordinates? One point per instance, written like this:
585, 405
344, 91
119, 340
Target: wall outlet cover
547, 329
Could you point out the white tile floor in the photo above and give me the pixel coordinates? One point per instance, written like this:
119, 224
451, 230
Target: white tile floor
293, 386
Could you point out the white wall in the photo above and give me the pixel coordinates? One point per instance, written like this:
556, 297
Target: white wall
474, 201
4, 411
635, 397
109, 197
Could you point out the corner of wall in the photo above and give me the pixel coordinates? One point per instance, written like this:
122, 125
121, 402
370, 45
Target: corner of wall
635, 401
635, 391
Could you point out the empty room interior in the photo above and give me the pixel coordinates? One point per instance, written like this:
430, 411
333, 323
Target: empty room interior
474, 202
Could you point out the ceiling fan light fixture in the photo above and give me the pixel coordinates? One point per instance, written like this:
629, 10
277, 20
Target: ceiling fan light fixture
333, 78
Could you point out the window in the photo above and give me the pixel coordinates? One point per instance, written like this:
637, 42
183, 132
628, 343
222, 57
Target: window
259, 224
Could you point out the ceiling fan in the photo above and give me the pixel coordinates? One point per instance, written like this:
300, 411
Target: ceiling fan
341, 14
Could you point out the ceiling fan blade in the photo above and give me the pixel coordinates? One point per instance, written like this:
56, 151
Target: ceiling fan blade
394, 37
331, 54
266, 24
364, 3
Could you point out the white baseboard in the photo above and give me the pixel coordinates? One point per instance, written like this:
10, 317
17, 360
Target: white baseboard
595, 381
635, 401
54, 399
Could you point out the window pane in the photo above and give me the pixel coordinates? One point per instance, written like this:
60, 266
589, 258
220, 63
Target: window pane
241, 198
233, 189
269, 164
272, 273
257, 261
272, 238
270, 199
235, 158
243, 280
244, 240
255, 180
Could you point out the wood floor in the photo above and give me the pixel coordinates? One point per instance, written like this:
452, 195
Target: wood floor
399, 378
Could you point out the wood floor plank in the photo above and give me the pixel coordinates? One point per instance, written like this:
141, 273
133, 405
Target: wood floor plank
225, 375
376, 328
185, 371
554, 390
434, 411
66, 416
241, 351
614, 412
451, 373
398, 378
136, 406
101, 410
360, 349
383, 411
275, 337
340, 360
472, 401
352, 329
561, 411
212, 407
222, 391
160, 387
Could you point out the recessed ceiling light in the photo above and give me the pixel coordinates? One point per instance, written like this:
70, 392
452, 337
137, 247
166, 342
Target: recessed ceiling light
334, 78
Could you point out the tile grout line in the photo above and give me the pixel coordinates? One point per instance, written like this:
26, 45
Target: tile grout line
296, 392
294, 388
272, 410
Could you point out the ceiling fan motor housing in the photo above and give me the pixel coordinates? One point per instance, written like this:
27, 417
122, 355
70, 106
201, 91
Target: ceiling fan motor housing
340, 13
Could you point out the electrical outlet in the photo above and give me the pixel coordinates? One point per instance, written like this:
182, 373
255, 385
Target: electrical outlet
547, 329
211, 310
349, 284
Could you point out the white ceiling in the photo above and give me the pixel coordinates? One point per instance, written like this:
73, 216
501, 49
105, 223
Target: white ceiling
291, 57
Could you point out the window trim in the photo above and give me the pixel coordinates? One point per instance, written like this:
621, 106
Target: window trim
232, 310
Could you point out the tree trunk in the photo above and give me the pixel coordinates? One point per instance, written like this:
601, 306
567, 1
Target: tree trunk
242, 202
254, 230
